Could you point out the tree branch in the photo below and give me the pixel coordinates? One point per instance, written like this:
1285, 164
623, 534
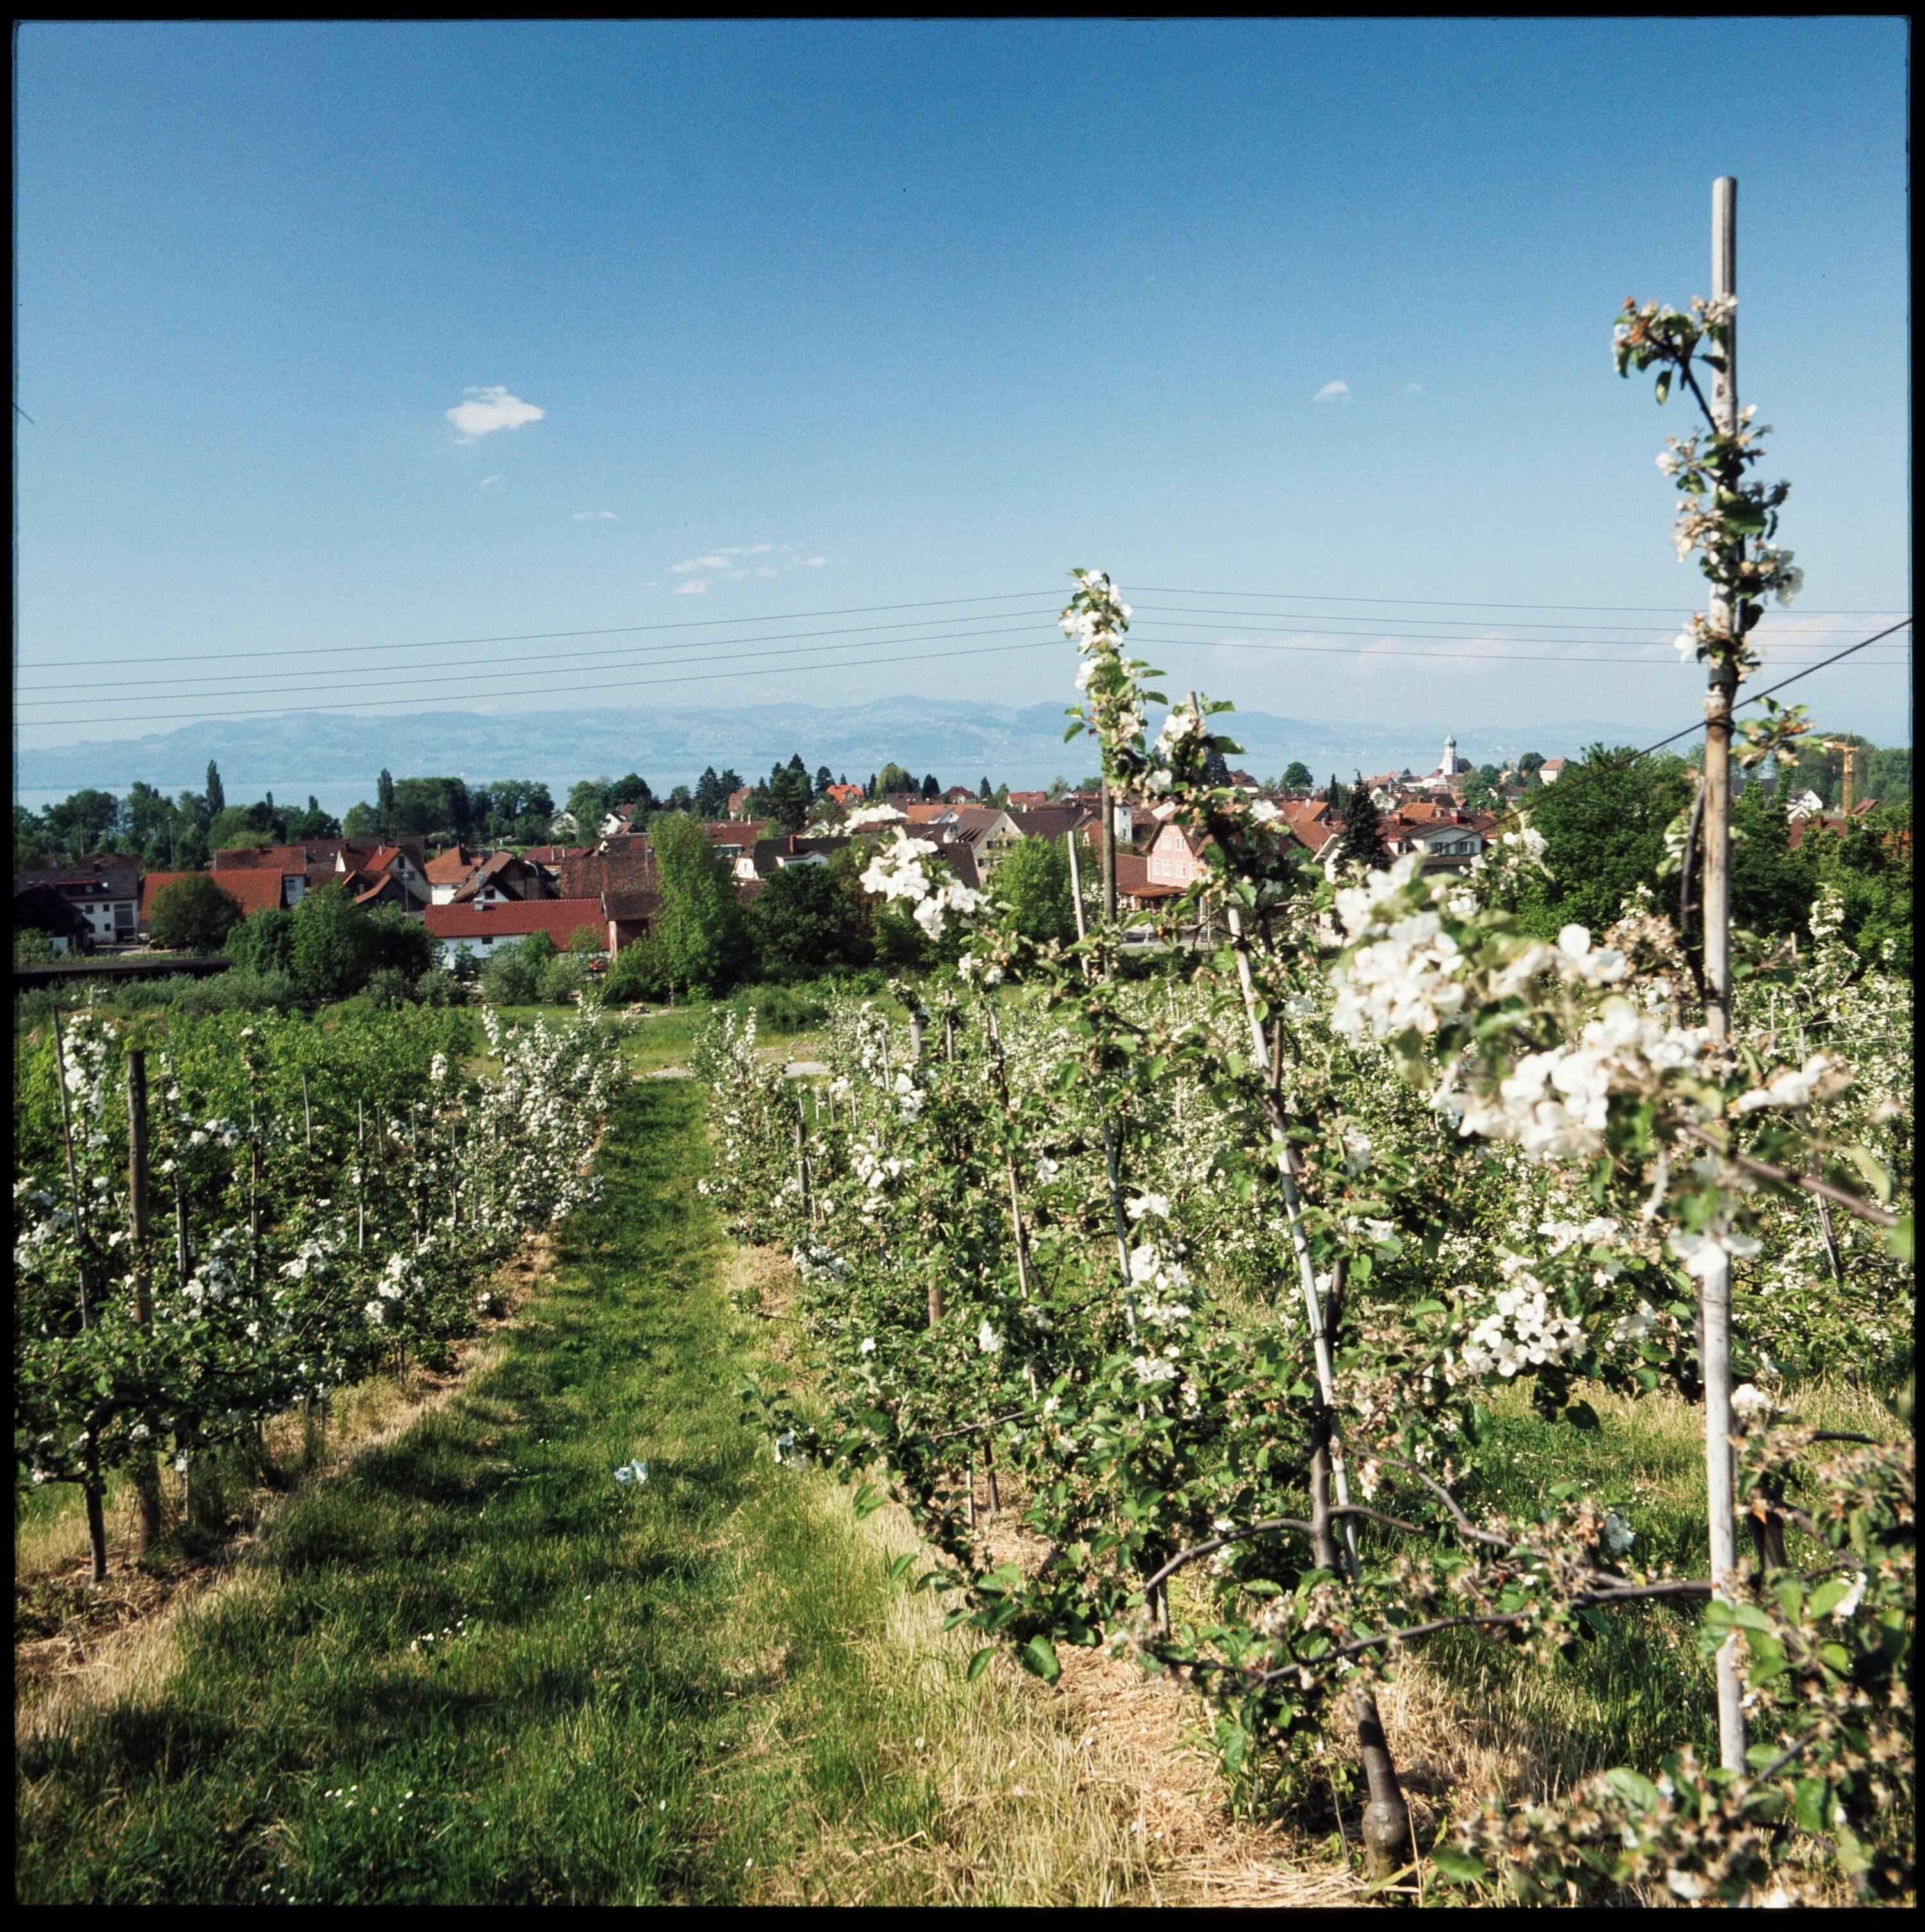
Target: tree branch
1865, 1210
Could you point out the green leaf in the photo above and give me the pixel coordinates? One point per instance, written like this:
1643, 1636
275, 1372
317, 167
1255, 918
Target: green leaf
1039, 1655
1808, 1804
1581, 1415
902, 1565
979, 1662
1878, 1176
1633, 1787
1828, 1596
1898, 1240
1460, 1868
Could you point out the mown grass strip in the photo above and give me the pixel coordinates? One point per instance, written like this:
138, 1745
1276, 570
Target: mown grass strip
475, 1668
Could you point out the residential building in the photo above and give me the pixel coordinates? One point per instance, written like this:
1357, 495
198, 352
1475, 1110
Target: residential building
844, 795
447, 872
621, 820
1136, 891
1551, 770
989, 832
253, 888
289, 861
1052, 821
499, 877
388, 874
584, 875
104, 889
1174, 860
486, 930
42, 909
1449, 839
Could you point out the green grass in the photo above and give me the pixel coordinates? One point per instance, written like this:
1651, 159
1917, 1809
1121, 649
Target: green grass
474, 1668
1634, 1691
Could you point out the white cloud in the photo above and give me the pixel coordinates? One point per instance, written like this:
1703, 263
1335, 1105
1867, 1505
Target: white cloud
591, 516
1414, 389
489, 409
689, 588
488, 481
737, 561
1332, 392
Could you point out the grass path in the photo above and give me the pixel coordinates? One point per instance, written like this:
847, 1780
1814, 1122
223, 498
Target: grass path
475, 1668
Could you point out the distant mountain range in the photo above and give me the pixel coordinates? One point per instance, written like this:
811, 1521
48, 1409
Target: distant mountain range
959, 741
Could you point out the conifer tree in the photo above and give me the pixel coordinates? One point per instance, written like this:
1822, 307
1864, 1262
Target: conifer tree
1361, 841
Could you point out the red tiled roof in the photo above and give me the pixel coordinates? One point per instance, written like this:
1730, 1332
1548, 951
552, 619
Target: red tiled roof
249, 887
450, 868
560, 918
1052, 821
587, 873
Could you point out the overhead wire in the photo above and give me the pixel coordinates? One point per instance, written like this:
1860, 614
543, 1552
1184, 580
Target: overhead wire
544, 637
173, 690
314, 651
164, 690
1579, 778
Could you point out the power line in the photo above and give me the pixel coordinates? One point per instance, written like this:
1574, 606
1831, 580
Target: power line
570, 660
1770, 691
392, 704
1443, 603
174, 690
1312, 619
850, 610
537, 637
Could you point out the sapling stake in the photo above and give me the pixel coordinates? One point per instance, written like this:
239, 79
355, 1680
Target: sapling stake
146, 1477
1293, 1208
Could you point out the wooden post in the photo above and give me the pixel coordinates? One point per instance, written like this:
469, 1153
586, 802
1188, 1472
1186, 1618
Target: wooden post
1121, 1223
1306, 1271
360, 1182
1009, 1162
254, 1196
307, 1112
1076, 886
1109, 851
1723, 681
1714, 1299
146, 1477
72, 1173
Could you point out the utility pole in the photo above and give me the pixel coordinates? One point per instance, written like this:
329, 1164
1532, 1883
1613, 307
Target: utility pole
1716, 1301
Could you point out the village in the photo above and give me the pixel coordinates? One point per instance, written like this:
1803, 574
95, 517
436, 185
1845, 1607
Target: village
473, 903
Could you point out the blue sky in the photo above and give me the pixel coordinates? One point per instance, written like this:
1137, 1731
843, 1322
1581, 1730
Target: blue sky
868, 316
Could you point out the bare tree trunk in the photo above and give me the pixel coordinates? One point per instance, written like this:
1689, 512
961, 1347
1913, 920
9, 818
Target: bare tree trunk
1387, 1817
97, 1526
